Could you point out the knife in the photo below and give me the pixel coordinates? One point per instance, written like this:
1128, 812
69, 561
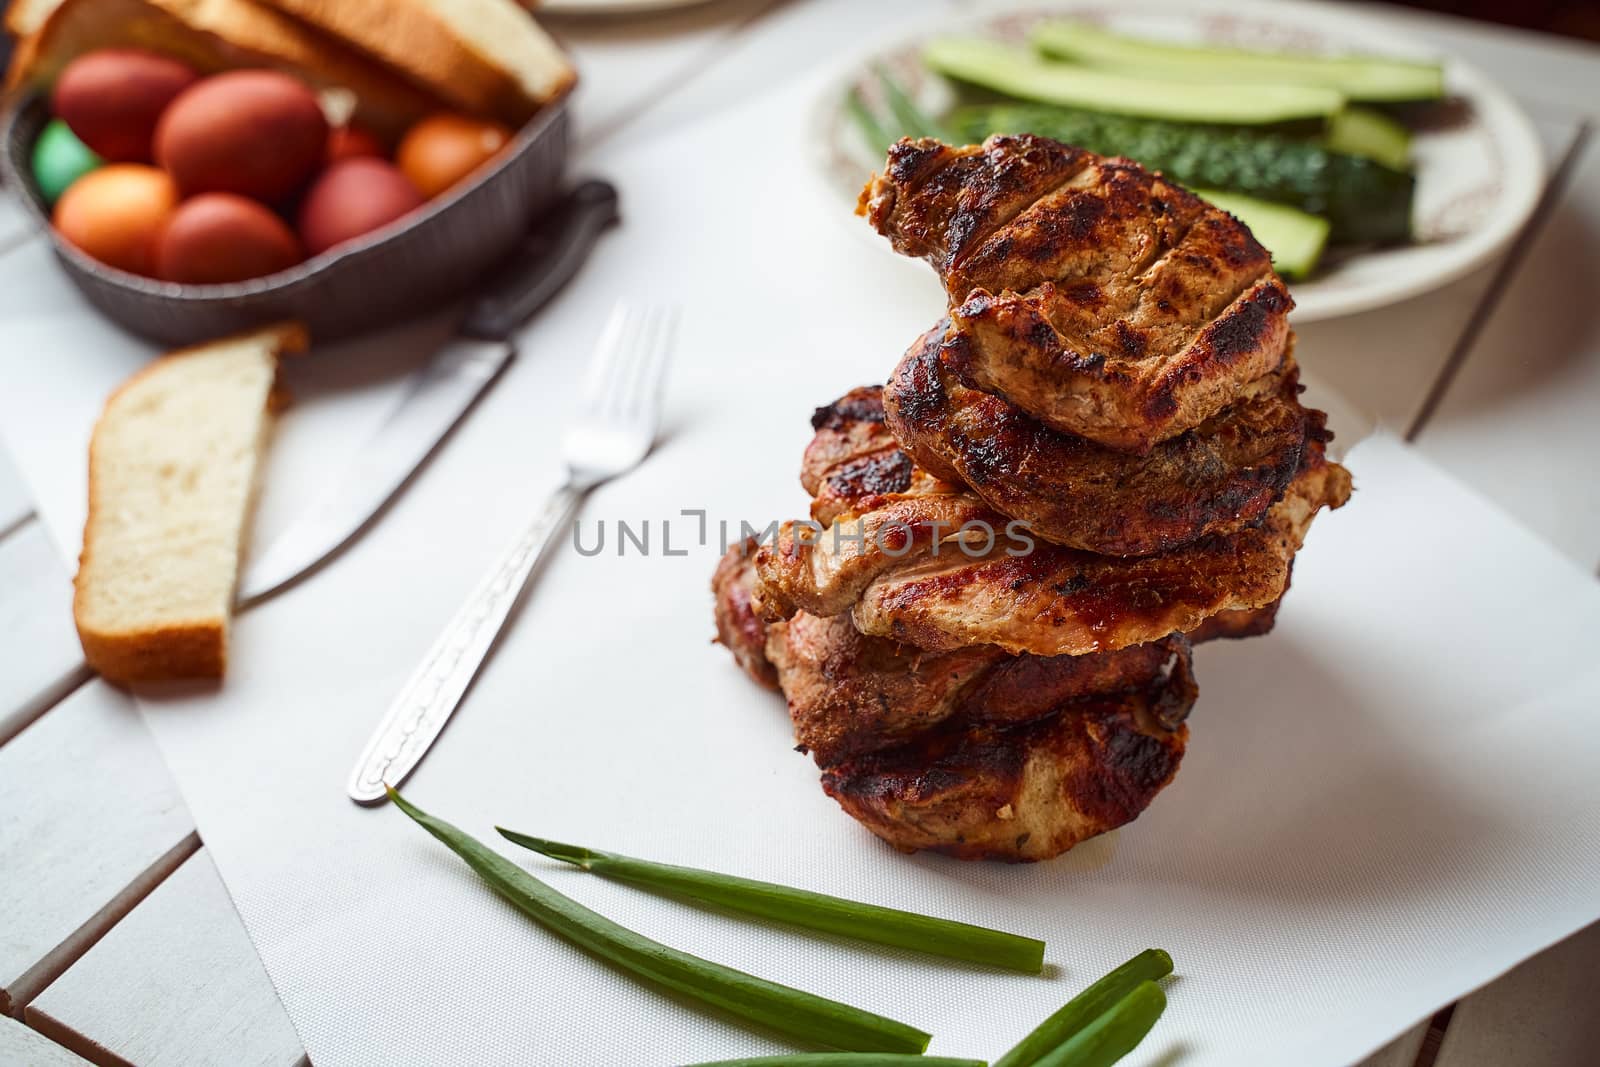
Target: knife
440, 392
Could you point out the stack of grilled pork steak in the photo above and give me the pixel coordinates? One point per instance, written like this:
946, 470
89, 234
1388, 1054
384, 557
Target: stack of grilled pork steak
1097, 459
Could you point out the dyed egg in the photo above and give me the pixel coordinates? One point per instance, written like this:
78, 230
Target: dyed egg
223, 237
116, 214
352, 140
442, 149
59, 159
351, 198
113, 98
257, 133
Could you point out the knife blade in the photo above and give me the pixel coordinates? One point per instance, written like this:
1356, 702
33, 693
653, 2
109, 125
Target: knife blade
439, 393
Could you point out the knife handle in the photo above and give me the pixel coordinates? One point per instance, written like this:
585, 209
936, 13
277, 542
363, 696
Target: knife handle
545, 261
430, 697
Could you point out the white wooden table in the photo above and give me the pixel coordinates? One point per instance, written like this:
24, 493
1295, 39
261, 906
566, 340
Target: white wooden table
118, 943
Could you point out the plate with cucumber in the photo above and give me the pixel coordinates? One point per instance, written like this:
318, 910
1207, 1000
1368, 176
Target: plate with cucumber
1372, 166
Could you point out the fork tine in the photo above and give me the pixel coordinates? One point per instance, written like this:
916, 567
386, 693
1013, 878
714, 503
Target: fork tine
627, 386
652, 375
631, 368
608, 351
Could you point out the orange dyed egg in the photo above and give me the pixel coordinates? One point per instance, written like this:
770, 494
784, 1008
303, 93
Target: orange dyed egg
442, 149
116, 214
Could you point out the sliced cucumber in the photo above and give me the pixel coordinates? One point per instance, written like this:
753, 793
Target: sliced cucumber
1361, 131
1356, 77
1363, 199
1020, 73
1295, 238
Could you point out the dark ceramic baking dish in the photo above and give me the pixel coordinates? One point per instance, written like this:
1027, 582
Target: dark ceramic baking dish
414, 263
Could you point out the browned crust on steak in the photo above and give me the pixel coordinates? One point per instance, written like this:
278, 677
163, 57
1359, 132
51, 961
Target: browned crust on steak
853, 457
740, 628
850, 694
937, 202
915, 567
1241, 622
1023, 791
1216, 478
1101, 299
1061, 601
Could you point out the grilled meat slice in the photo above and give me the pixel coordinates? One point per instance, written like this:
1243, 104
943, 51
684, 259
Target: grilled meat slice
1060, 601
1022, 791
1099, 298
1240, 622
1215, 478
1050, 601
854, 457
850, 694
740, 628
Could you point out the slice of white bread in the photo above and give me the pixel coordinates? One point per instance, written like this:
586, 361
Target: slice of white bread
25, 16
486, 57
212, 35
172, 470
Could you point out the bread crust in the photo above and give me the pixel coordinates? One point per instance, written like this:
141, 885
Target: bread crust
213, 35
195, 649
411, 37
25, 16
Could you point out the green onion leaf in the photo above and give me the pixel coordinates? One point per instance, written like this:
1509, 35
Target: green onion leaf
913, 123
871, 131
809, 1018
1113, 1035
1086, 1007
800, 907
845, 1059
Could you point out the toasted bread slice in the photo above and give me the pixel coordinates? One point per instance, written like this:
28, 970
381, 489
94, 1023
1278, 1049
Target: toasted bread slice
212, 35
487, 57
172, 470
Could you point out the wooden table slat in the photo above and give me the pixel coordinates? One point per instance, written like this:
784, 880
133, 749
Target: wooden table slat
24, 1047
1401, 1052
41, 658
1541, 1014
1539, 68
176, 982
90, 821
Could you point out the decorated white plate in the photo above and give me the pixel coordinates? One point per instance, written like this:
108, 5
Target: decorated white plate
1479, 164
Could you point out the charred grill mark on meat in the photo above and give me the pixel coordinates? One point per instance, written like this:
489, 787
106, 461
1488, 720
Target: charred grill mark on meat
1061, 601
1113, 305
1021, 791
897, 568
1216, 478
850, 694
972, 752
854, 458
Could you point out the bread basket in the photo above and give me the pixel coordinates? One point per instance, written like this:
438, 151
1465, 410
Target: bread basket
414, 263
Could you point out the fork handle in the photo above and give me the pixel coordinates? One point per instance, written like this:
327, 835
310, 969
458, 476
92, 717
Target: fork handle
434, 691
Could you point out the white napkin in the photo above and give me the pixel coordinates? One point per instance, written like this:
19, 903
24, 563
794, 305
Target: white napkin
1385, 803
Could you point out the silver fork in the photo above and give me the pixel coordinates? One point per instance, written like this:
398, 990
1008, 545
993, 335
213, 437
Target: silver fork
612, 435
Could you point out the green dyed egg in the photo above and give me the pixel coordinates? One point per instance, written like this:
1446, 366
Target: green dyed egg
59, 159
